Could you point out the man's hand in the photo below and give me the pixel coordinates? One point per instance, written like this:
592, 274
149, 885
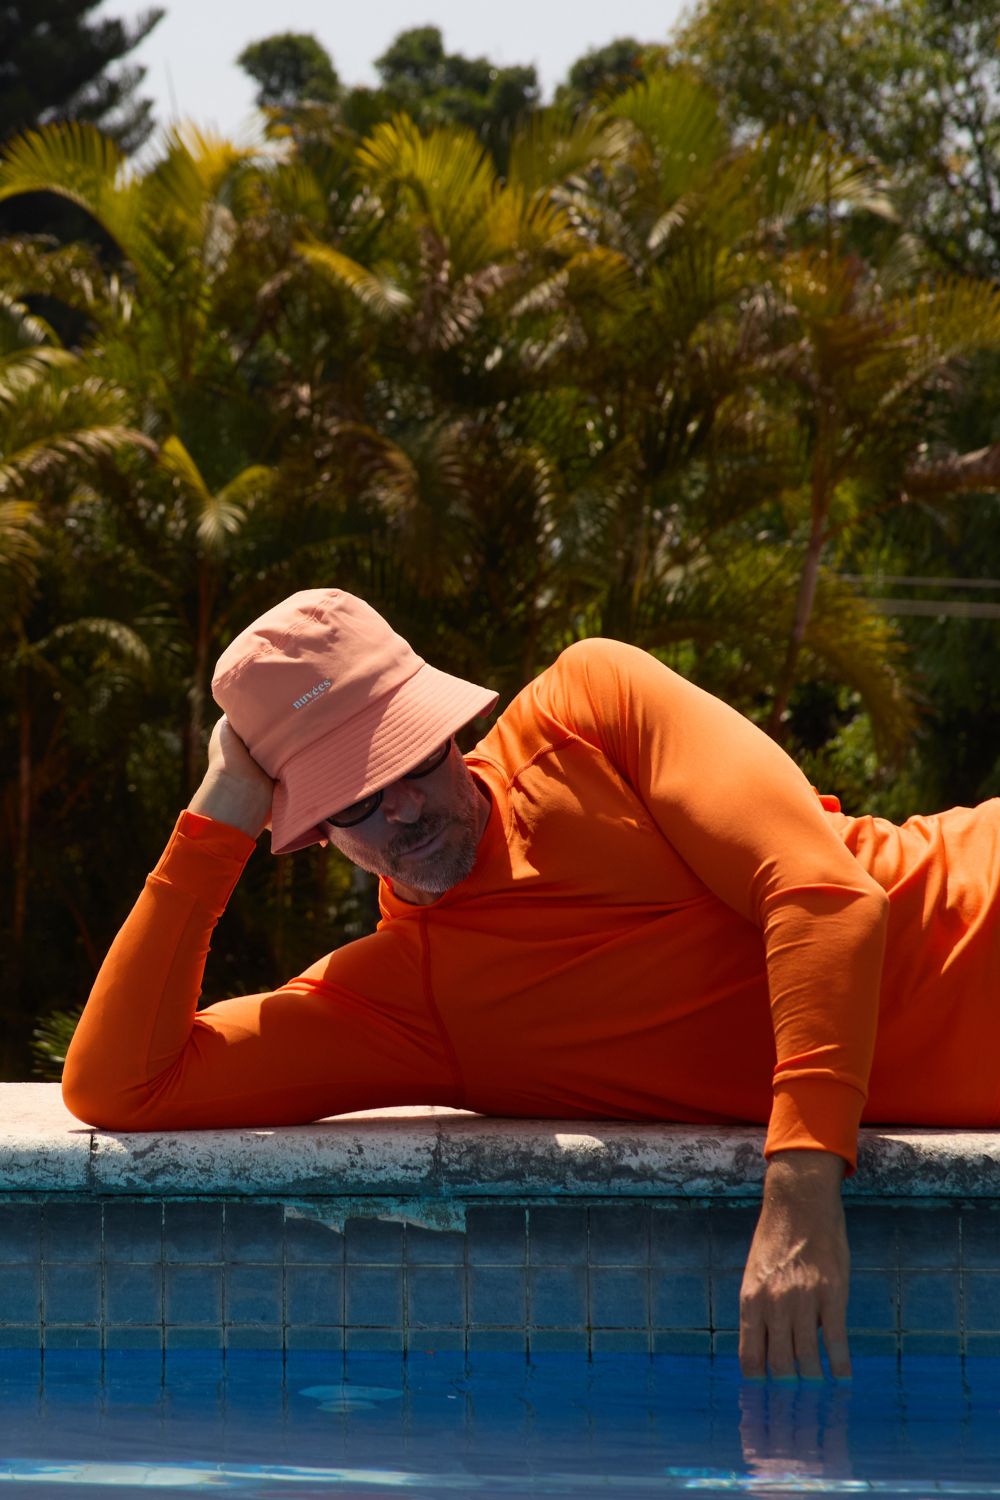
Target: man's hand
796, 1278
234, 789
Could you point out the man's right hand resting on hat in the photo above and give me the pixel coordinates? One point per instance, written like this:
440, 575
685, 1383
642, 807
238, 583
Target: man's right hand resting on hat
234, 789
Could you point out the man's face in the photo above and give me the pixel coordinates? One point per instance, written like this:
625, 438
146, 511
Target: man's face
424, 833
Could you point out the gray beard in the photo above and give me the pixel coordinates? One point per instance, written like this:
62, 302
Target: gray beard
443, 869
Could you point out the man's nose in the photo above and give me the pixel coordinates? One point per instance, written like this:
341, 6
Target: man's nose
402, 802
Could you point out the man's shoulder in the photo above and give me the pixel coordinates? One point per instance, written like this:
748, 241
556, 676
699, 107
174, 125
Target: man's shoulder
569, 699
593, 671
567, 682
594, 654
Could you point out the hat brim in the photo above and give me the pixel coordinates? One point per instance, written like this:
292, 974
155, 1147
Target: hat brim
372, 750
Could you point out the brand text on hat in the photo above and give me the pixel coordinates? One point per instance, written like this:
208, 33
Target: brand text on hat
314, 692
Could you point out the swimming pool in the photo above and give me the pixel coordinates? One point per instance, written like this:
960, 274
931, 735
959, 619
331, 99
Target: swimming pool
226, 1311
254, 1425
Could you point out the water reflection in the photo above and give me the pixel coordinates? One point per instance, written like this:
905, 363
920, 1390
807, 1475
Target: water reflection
796, 1429
437, 1425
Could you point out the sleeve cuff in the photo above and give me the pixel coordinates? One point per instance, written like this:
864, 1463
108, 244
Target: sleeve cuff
812, 1115
205, 859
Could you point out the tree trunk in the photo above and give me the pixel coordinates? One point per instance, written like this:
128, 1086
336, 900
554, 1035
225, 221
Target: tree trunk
199, 693
23, 835
12, 1012
822, 488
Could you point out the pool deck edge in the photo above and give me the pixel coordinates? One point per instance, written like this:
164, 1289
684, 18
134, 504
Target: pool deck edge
430, 1152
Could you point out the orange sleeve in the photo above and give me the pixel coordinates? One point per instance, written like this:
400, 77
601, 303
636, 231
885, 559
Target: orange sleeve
144, 1057
747, 822
141, 1010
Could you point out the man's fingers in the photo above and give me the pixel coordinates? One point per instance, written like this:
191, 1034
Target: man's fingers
807, 1346
838, 1354
766, 1342
753, 1343
772, 1343
780, 1350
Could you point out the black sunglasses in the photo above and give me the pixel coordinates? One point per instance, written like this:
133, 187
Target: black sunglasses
357, 812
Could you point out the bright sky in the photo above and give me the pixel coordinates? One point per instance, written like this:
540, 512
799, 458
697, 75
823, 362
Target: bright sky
191, 55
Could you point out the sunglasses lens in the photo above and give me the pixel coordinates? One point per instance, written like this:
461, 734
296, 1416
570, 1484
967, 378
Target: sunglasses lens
432, 761
356, 812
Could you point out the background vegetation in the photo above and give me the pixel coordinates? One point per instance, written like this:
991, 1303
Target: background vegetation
702, 355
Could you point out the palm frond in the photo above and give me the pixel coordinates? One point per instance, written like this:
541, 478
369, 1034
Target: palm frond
955, 473
374, 289
76, 161
178, 463
385, 467
518, 222
85, 161
743, 599
20, 328
224, 514
252, 485
463, 309
126, 644
66, 451
448, 167
546, 296
851, 642
795, 169
673, 219
553, 147
199, 163
603, 275
220, 515
20, 550
936, 326
602, 216
447, 176
23, 371
70, 274
678, 119
596, 277
218, 520
295, 190
198, 192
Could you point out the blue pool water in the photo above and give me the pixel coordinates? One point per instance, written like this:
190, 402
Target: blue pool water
373, 1426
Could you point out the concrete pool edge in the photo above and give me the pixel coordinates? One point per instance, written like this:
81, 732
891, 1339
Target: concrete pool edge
430, 1152
408, 1230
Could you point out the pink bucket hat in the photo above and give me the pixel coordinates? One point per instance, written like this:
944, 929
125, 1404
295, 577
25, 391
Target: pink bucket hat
333, 704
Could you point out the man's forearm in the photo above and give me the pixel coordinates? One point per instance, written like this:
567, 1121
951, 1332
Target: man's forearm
141, 1012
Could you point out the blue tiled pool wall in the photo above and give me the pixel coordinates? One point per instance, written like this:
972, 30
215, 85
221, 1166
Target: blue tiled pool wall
622, 1276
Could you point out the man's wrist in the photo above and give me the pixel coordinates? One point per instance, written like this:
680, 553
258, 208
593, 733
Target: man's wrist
228, 799
804, 1174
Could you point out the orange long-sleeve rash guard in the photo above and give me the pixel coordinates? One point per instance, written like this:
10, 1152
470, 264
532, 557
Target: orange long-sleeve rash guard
663, 922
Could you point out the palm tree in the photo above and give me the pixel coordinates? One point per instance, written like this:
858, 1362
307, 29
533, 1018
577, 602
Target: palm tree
866, 361
58, 423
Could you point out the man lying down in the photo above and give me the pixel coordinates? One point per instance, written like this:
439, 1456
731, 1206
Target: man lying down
625, 903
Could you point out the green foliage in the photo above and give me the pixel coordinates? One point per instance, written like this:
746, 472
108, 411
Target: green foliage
298, 83
50, 1043
290, 68
914, 84
435, 86
59, 63
605, 71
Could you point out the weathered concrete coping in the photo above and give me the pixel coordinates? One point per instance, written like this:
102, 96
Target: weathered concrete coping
445, 1154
